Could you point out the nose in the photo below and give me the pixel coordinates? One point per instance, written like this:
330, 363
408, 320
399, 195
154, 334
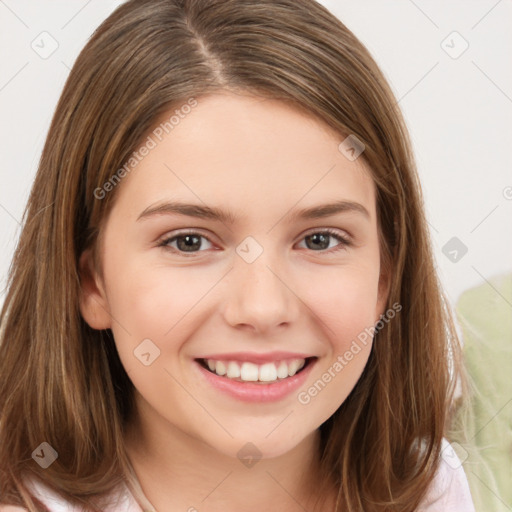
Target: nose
260, 295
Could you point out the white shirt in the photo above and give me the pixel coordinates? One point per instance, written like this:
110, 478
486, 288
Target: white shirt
449, 491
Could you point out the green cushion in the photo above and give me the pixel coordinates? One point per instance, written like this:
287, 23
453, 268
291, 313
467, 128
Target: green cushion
484, 314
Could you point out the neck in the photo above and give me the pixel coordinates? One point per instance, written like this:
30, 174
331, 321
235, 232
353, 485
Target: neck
179, 472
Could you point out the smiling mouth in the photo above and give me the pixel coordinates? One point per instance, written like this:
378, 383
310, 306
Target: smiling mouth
268, 373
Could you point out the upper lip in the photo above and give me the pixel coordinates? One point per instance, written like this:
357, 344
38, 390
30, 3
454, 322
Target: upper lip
255, 357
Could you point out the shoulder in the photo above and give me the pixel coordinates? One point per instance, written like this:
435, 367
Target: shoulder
121, 501
449, 490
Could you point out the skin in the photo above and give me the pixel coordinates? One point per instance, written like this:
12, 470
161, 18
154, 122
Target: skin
263, 160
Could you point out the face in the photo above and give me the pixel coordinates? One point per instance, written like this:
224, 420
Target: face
233, 292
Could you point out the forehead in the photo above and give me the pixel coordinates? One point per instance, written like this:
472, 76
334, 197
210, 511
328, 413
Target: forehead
251, 153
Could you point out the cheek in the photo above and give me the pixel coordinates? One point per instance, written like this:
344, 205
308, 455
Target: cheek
345, 307
344, 301
164, 305
155, 310
153, 301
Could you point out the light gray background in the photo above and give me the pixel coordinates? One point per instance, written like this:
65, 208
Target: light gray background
458, 110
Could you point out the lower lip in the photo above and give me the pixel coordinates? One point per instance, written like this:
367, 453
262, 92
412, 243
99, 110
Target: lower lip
253, 392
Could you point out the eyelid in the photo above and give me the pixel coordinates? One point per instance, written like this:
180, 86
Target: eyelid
332, 231
184, 231
165, 239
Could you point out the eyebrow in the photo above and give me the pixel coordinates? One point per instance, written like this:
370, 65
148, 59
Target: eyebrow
227, 217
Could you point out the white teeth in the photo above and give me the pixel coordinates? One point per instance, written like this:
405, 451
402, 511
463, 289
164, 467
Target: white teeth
220, 368
282, 370
268, 372
250, 372
293, 367
233, 370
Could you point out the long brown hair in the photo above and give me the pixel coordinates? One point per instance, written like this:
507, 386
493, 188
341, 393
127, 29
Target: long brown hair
62, 382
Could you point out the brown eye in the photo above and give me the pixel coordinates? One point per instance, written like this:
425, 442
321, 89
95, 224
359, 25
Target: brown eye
322, 240
185, 242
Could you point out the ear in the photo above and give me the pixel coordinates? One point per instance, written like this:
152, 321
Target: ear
93, 299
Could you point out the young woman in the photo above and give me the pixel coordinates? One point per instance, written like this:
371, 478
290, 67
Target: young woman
223, 297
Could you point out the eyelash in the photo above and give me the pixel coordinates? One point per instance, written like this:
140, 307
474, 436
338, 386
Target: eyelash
344, 241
